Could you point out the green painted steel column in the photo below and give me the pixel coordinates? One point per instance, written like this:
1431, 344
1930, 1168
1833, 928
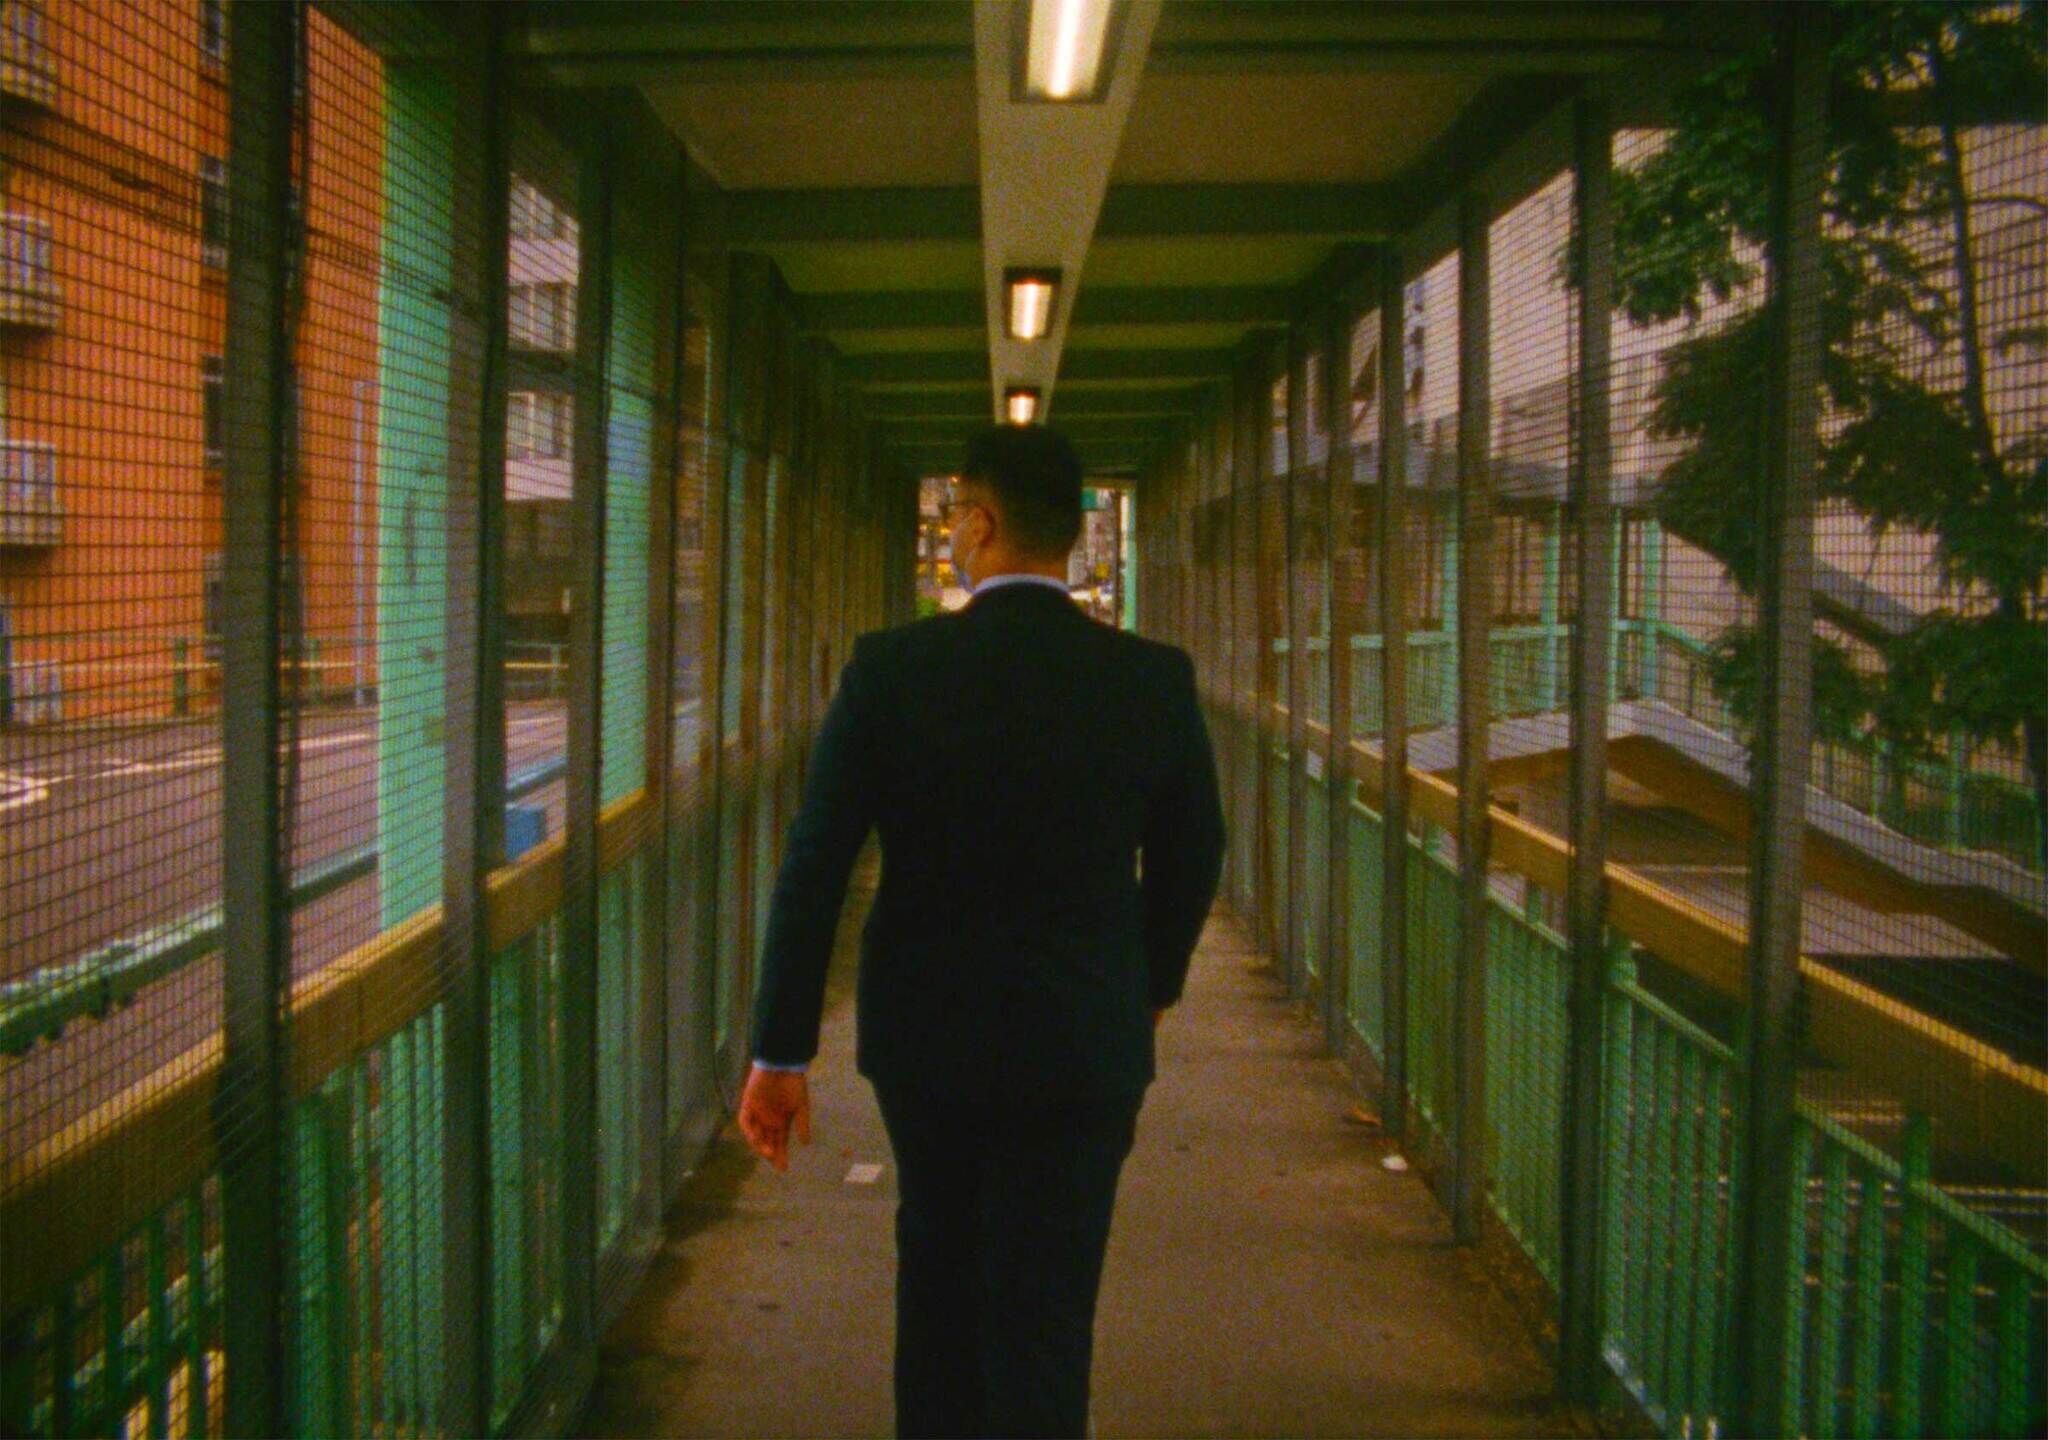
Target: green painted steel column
251, 1110
1474, 628
1766, 1287
1394, 706
666, 844
1581, 1284
1341, 622
630, 361
582, 924
1294, 484
473, 817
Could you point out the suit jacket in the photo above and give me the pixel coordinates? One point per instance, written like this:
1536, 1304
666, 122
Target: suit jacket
1018, 757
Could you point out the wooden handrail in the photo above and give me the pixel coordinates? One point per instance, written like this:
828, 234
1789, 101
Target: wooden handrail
1982, 1099
90, 1183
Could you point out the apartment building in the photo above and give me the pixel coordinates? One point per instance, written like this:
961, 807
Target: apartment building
113, 269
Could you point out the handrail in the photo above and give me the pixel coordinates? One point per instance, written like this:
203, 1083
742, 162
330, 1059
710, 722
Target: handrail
1996, 1238
40, 1004
113, 1167
1989, 1101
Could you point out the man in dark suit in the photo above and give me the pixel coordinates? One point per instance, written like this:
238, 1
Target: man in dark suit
1021, 761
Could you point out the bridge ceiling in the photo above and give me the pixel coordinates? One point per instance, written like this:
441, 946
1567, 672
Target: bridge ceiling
1268, 145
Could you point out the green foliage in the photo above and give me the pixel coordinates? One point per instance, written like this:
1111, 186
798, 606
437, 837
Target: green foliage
1842, 696
1691, 224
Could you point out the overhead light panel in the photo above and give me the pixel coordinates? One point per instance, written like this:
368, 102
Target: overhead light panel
1020, 404
1066, 49
1030, 296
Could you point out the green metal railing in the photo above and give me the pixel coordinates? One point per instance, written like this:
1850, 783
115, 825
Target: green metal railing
366, 1243
1915, 1314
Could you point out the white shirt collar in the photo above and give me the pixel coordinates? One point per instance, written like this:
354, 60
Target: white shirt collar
993, 582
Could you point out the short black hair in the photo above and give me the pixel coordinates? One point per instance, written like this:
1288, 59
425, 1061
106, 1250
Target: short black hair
1036, 478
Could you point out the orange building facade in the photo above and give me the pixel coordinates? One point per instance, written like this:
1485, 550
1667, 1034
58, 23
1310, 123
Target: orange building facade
113, 271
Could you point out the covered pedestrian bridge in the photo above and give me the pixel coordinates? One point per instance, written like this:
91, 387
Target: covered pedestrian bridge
1592, 453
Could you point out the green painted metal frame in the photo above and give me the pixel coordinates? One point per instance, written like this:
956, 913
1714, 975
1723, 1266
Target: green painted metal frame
1393, 595
250, 1118
473, 833
1763, 1310
582, 922
1474, 628
1580, 1321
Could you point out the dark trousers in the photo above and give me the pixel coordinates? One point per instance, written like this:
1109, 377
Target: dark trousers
1001, 1225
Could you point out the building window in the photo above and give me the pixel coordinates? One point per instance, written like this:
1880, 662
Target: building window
213, 212
213, 30
543, 316
534, 216
537, 425
213, 387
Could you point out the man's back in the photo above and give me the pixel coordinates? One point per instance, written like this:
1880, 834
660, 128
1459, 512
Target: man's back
1016, 757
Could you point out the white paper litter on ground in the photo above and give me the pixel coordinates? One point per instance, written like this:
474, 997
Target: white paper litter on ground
863, 1174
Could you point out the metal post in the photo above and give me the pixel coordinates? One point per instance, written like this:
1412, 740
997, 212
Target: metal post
585, 731
1294, 488
1475, 635
1337, 530
1252, 400
665, 478
1393, 607
1588, 507
1769, 1188
1251, 635
473, 824
250, 1110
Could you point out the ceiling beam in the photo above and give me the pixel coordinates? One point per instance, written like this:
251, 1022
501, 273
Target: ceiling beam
1445, 40
880, 214
1392, 26
950, 367
1145, 212
886, 406
935, 309
1085, 365
893, 214
1095, 427
961, 367
592, 44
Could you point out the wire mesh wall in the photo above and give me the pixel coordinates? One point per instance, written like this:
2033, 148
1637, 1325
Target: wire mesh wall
395, 489
1812, 1195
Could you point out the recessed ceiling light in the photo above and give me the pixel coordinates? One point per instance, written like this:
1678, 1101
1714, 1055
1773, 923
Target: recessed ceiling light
1065, 49
1020, 404
1030, 297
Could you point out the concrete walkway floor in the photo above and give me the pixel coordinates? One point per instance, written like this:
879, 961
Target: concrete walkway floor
1265, 1275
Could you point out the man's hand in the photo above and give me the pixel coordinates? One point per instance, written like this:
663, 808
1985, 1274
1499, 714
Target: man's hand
770, 1101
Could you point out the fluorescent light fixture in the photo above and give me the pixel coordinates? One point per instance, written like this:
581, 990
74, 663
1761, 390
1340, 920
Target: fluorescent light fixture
1020, 404
1030, 301
1063, 57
